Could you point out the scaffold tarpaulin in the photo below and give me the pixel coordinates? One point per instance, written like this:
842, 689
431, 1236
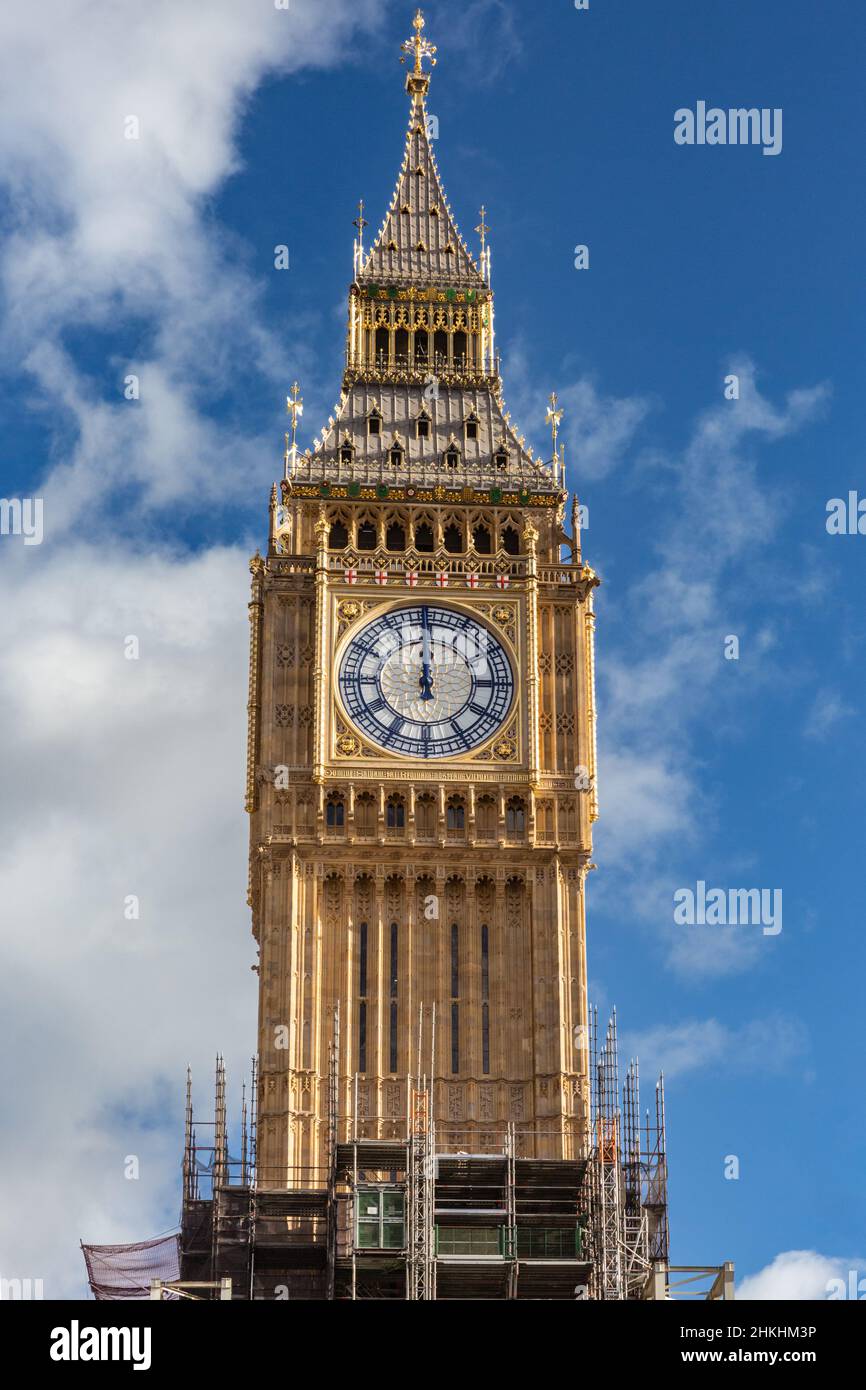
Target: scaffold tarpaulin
125, 1271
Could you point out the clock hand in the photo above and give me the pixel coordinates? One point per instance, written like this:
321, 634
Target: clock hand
425, 680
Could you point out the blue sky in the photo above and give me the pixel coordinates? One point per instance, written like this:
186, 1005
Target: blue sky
706, 518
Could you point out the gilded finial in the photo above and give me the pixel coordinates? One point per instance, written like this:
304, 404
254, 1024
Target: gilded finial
295, 408
482, 229
360, 222
554, 419
417, 81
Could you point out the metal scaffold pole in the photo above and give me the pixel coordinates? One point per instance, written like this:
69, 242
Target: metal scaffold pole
422, 1275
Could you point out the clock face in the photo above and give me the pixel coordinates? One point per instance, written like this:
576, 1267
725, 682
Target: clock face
426, 682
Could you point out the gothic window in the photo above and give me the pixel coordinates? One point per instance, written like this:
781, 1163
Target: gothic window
366, 534
453, 538
420, 348
335, 811
395, 813
424, 538
455, 816
515, 817
500, 458
481, 539
393, 999
347, 451
382, 346
395, 536
472, 426
440, 348
455, 997
338, 535
452, 456
425, 816
362, 997
365, 814
422, 425
485, 1001
374, 419
485, 818
401, 345
510, 540
396, 455
460, 350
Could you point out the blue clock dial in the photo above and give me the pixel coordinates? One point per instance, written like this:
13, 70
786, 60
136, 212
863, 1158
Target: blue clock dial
426, 682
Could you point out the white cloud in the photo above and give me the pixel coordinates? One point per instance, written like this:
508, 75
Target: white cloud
803, 1275
597, 429
124, 777
704, 1045
828, 709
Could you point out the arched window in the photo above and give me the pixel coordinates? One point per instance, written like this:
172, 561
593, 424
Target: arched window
425, 541
397, 455
485, 818
452, 457
422, 426
460, 350
401, 345
481, 539
455, 814
395, 813
472, 426
382, 346
338, 536
395, 536
420, 348
335, 811
500, 458
453, 538
425, 816
440, 348
374, 419
510, 540
515, 817
365, 814
366, 535
347, 451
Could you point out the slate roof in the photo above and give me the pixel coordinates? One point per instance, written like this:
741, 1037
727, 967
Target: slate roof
420, 217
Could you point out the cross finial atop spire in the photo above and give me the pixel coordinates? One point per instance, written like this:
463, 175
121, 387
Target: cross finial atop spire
417, 81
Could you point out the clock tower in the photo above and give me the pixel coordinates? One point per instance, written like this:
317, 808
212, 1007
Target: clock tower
421, 777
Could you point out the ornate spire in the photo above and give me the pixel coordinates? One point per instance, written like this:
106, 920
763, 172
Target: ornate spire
418, 81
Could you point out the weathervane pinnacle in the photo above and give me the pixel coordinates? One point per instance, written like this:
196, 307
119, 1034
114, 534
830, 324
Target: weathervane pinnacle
554, 419
295, 408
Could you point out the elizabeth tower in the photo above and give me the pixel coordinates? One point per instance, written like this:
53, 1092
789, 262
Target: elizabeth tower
421, 776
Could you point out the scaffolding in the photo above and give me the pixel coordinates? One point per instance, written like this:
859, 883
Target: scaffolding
421, 1210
